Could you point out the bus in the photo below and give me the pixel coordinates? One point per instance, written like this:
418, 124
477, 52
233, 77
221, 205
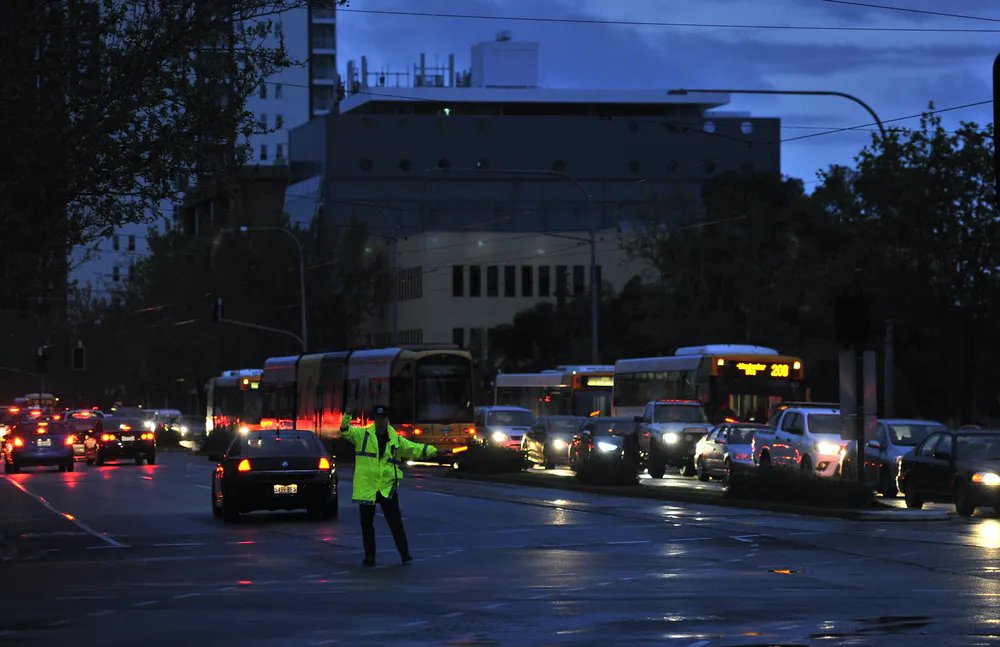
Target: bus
563, 391
732, 381
429, 392
233, 399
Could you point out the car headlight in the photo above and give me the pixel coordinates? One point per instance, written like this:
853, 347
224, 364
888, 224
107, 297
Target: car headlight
559, 444
499, 437
183, 430
827, 448
244, 429
671, 437
986, 478
606, 447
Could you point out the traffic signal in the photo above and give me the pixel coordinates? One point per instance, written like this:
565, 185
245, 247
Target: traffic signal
217, 311
852, 319
79, 358
41, 360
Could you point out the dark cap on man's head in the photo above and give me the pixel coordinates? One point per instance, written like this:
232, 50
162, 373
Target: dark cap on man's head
381, 410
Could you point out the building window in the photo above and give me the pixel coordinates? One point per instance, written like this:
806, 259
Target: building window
561, 275
413, 336
116, 273
458, 337
410, 283
476, 341
263, 151
527, 281
475, 281
492, 280
263, 90
131, 243
277, 90
509, 281
279, 122
263, 121
279, 152
578, 282
544, 288
458, 281
115, 244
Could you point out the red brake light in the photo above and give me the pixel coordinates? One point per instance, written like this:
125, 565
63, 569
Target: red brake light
13, 409
324, 464
70, 439
18, 442
471, 430
418, 431
244, 465
107, 437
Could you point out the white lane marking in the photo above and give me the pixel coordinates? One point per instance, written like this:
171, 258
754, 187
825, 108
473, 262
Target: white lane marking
85, 597
57, 623
496, 605
333, 641
676, 541
146, 603
184, 596
623, 543
700, 643
417, 623
204, 487
179, 544
79, 524
458, 613
438, 494
747, 539
105, 612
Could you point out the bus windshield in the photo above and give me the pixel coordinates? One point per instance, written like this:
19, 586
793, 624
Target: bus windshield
444, 391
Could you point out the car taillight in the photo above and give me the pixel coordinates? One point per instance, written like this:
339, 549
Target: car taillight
418, 431
244, 465
18, 442
471, 431
324, 464
70, 439
146, 436
107, 437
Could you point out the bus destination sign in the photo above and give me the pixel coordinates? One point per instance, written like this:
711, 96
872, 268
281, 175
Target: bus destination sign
752, 368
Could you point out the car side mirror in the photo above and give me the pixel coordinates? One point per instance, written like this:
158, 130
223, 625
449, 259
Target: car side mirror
215, 457
874, 444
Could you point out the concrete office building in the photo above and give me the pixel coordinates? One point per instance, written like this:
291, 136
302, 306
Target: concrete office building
487, 160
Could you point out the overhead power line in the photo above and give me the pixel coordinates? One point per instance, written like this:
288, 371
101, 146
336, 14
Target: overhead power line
911, 10
657, 23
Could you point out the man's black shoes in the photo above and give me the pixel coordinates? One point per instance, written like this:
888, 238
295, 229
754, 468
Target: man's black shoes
369, 562
407, 558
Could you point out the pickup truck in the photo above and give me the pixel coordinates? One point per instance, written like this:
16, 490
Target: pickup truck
668, 433
804, 437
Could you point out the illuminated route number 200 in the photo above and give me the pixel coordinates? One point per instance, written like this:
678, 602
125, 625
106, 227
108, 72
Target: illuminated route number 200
779, 370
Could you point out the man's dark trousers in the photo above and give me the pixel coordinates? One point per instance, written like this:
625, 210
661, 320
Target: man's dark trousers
390, 510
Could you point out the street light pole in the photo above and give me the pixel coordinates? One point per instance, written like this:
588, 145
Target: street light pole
591, 239
302, 277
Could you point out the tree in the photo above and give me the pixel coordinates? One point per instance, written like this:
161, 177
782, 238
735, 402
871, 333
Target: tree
107, 107
921, 207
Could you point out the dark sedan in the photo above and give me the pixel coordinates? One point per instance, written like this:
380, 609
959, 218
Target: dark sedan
279, 469
960, 466
121, 439
84, 423
606, 448
39, 443
547, 442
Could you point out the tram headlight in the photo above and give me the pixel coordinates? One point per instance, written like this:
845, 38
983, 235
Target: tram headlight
559, 444
606, 447
671, 437
499, 437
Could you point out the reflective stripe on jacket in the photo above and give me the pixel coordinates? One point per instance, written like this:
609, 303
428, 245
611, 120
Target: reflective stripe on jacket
374, 474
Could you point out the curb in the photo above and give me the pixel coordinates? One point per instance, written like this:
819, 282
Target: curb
885, 513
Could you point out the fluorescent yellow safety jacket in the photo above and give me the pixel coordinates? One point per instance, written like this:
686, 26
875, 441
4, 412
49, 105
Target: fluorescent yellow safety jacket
374, 474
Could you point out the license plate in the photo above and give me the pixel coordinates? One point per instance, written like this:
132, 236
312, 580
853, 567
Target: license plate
128, 438
286, 489
45, 442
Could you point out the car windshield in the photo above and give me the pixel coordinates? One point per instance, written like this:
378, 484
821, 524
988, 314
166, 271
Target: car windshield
977, 446
269, 444
910, 435
741, 435
564, 425
509, 419
679, 413
825, 423
611, 427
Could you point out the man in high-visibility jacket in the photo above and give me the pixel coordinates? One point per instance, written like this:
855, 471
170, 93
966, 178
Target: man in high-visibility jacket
378, 452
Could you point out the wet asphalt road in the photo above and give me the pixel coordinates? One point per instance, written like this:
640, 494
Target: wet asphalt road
142, 561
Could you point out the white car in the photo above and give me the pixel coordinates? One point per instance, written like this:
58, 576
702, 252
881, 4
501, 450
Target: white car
803, 436
503, 426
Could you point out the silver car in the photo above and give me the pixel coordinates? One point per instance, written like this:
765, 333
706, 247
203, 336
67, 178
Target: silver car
503, 426
893, 438
726, 452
